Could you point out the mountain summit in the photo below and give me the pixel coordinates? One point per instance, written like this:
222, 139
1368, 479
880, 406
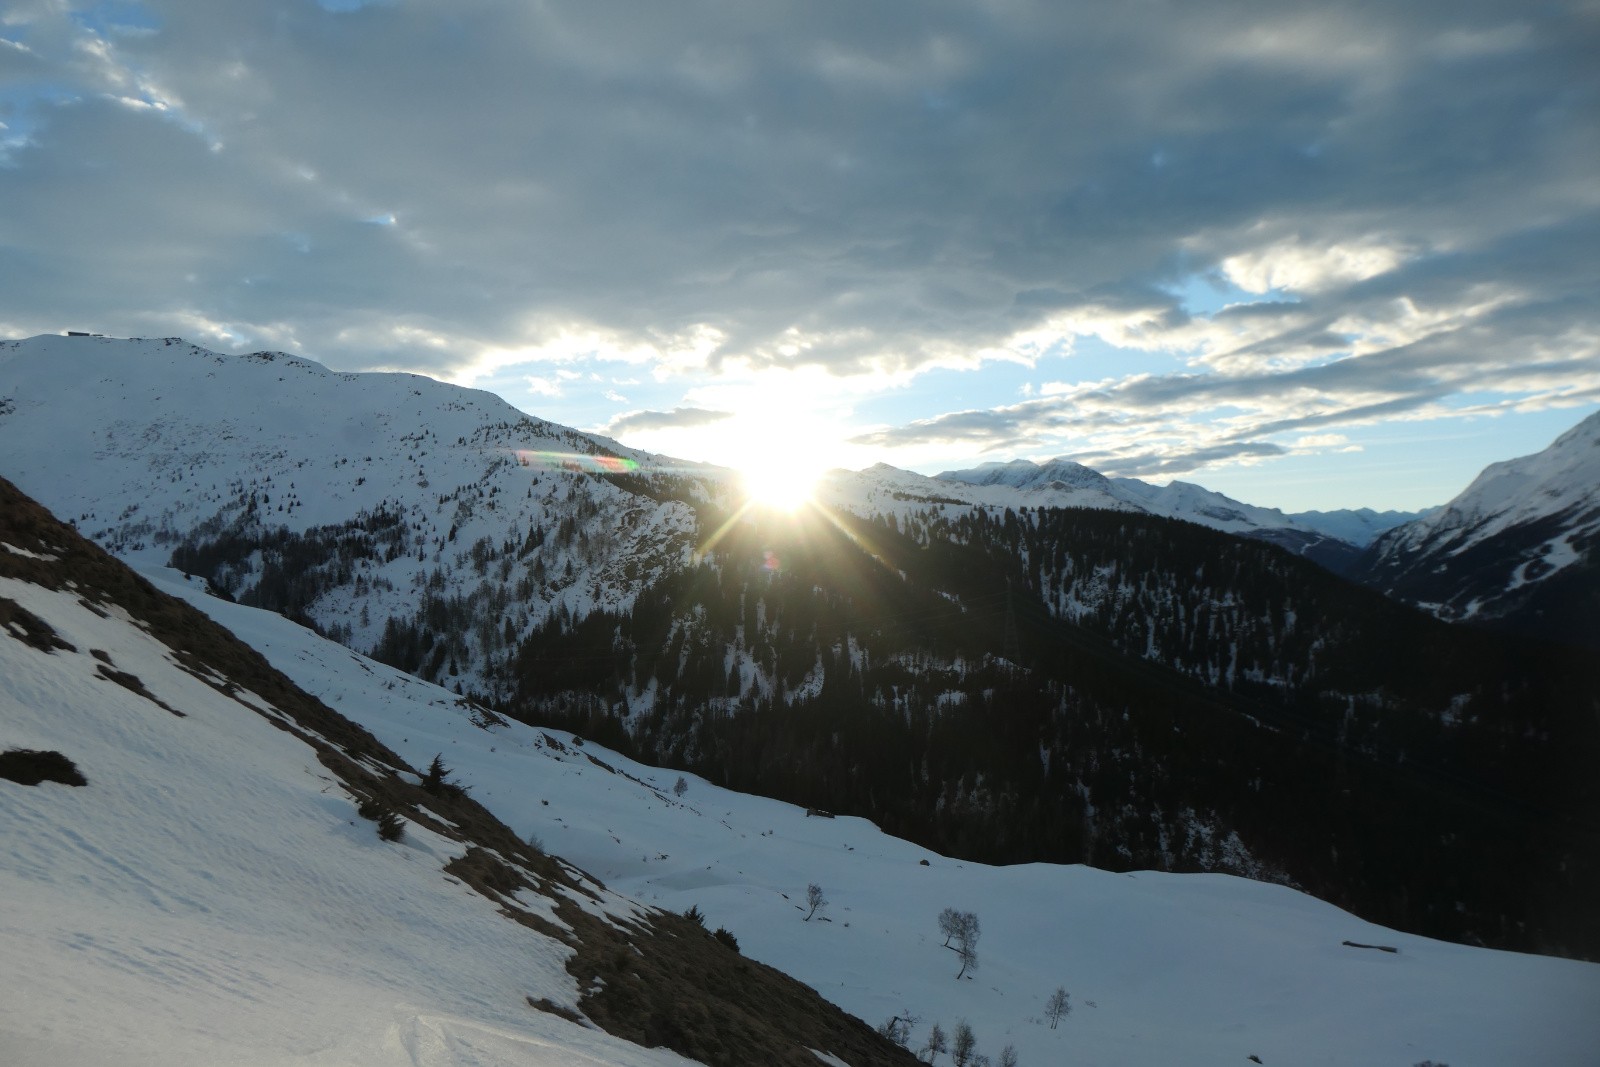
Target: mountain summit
344, 501
1331, 538
1518, 548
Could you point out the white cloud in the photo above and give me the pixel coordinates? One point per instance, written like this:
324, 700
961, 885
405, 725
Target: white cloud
538, 386
1303, 267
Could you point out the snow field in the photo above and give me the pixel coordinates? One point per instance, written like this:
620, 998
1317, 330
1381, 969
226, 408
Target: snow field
211, 896
1162, 969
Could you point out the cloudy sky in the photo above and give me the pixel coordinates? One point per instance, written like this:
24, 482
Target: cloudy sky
1312, 255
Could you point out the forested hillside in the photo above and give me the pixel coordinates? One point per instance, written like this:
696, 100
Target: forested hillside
1120, 690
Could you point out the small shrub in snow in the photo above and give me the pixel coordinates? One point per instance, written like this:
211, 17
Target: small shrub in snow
815, 899
436, 781
681, 787
391, 827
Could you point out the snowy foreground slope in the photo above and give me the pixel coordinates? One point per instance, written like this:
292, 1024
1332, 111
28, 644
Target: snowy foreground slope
211, 894
1162, 969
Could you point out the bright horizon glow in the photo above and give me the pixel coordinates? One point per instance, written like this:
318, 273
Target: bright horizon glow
784, 484
780, 431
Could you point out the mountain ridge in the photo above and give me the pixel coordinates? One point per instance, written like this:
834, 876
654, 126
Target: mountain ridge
1194, 503
1000, 681
1491, 556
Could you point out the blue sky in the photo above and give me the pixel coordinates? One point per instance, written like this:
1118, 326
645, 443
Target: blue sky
1312, 255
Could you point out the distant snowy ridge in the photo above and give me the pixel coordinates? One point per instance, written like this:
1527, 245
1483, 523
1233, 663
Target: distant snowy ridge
1332, 539
1518, 544
1177, 500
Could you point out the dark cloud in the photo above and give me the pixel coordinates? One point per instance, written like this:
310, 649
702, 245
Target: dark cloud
889, 186
676, 419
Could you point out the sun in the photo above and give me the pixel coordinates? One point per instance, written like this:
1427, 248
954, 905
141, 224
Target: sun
780, 483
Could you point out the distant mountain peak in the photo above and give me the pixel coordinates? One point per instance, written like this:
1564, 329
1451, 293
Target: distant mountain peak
1026, 474
1495, 551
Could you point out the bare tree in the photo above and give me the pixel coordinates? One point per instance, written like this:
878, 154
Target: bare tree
814, 898
964, 928
962, 1044
681, 787
949, 924
967, 947
1008, 1057
1057, 1006
897, 1028
935, 1043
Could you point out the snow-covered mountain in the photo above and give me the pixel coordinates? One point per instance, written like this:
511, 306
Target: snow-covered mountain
884, 490
214, 895
1070, 683
1329, 538
353, 501
1518, 547
1356, 526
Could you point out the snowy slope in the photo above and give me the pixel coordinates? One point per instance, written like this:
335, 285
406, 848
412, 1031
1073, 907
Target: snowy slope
210, 896
1162, 969
142, 442
1494, 550
1561, 482
219, 889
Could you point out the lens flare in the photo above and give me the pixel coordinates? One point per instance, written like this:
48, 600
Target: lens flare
577, 462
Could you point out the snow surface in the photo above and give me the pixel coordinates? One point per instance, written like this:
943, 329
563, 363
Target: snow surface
211, 896
1162, 969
